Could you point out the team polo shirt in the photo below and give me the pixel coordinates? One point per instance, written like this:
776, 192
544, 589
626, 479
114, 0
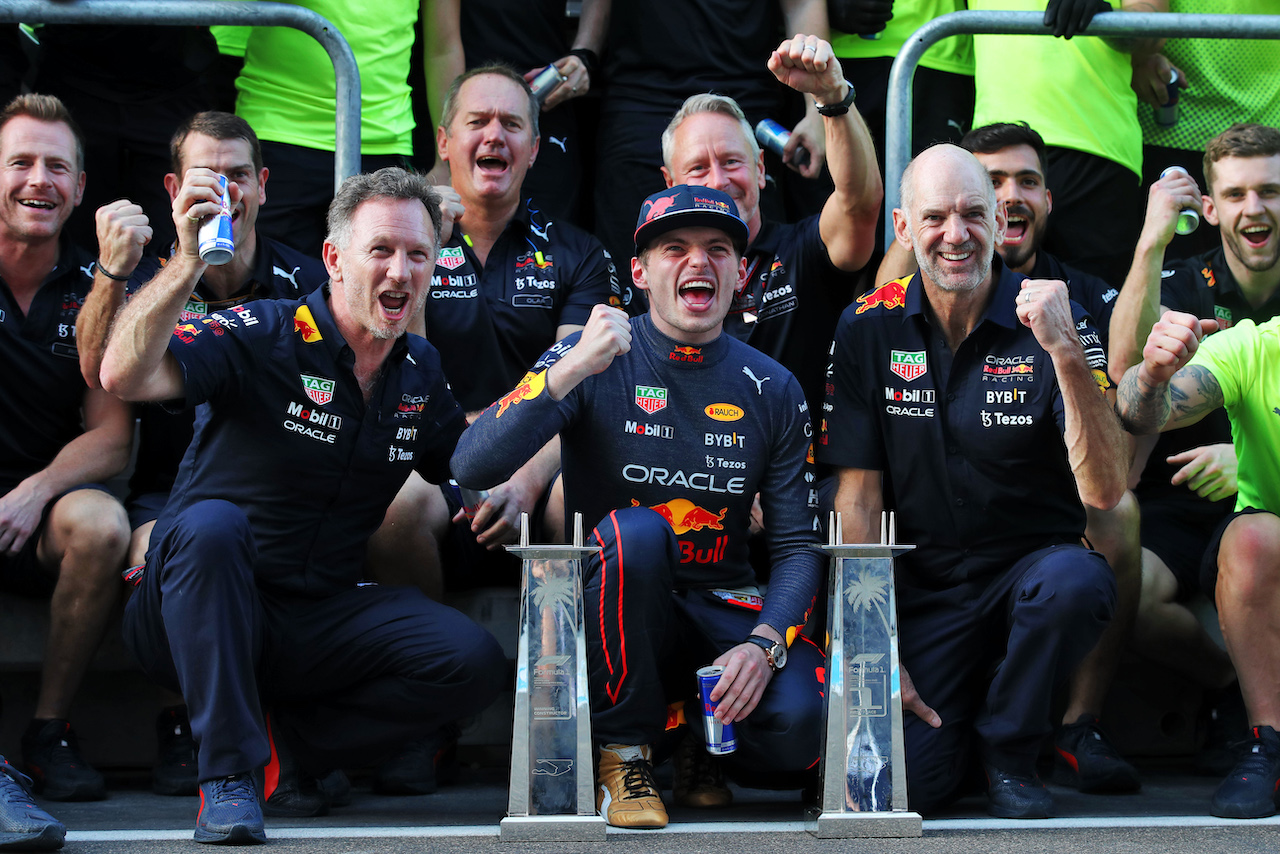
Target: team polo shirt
279, 272
970, 444
491, 323
1204, 286
1245, 360
1094, 294
787, 308
694, 433
41, 389
287, 437
953, 54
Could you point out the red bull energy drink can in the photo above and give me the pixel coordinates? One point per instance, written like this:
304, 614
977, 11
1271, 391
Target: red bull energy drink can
773, 137
1166, 115
470, 499
546, 82
720, 737
1188, 219
217, 244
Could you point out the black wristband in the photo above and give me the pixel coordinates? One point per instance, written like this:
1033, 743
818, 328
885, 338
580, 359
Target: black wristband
840, 108
103, 270
590, 60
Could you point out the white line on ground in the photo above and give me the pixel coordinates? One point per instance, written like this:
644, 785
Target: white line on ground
701, 827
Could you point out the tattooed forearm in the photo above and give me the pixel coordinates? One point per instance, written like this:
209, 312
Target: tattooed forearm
1194, 393
1142, 408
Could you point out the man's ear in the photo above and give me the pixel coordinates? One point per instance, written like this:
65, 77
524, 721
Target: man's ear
638, 274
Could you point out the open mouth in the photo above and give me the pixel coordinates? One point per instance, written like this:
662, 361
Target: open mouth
697, 294
38, 204
491, 164
956, 257
1017, 229
394, 303
1256, 235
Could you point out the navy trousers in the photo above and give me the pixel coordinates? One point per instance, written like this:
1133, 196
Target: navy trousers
645, 640
349, 678
987, 656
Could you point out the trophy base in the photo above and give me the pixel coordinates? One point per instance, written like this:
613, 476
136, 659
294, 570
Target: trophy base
553, 828
899, 824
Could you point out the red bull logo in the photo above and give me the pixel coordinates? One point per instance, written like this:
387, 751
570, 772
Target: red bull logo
1209, 279
684, 516
658, 208
537, 260
685, 354
305, 325
186, 332
530, 386
889, 295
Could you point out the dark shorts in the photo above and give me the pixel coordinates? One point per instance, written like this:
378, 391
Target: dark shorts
1179, 532
22, 573
1209, 566
144, 508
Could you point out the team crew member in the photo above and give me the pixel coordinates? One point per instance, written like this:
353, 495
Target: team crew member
953, 392
669, 429
796, 272
317, 411
1014, 156
1186, 487
1177, 384
60, 536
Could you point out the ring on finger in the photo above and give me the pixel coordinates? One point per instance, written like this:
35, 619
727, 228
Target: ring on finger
193, 218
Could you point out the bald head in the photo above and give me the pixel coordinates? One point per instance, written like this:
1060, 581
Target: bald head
949, 217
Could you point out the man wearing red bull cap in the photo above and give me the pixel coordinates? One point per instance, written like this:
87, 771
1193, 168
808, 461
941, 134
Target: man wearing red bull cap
953, 409
669, 428
314, 413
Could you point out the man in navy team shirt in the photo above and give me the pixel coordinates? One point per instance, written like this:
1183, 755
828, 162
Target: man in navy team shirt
950, 393
317, 411
60, 536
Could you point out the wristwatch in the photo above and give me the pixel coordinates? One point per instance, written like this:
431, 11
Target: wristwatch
774, 652
840, 107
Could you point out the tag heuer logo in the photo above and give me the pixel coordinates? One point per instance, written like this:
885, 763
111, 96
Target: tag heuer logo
908, 364
318, 389
451, 258
651, 398
193, 310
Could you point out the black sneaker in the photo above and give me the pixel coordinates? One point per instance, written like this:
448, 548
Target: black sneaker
51, 753
1250, 789
1014, 796
421, 766
229, 812
697, 778
23, 825
1085, 759
287, 791
177, 772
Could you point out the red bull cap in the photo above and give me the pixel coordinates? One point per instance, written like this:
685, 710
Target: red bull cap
685, 205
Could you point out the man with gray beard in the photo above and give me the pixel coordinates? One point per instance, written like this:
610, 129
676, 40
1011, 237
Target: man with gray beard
967, 398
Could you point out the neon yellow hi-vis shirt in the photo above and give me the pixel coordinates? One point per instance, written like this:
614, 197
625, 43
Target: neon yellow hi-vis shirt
1074, 92
953, 54
287, 88
1245, 360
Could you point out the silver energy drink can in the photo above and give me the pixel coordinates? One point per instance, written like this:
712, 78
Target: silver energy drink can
1188, 219
773, 137
216, 242
546, 81
1166, 115
470, 499
720, 736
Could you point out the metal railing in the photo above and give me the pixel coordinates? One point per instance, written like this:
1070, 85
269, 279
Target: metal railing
897, 137
196, 13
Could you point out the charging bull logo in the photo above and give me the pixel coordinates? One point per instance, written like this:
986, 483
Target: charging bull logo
186, 332
653, 210
529, 387
305, 325
890, 295
684, 516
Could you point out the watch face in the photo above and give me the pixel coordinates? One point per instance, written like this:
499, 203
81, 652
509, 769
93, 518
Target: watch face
779, 655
